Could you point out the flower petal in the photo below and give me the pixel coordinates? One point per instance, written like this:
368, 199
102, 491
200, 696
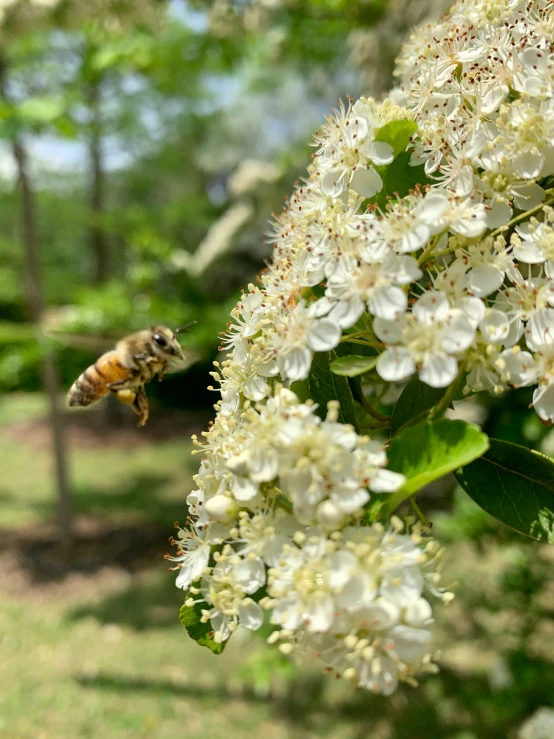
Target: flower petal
324, 335
396, 364
439, 370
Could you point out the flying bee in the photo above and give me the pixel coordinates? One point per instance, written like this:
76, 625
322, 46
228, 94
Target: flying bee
125, 370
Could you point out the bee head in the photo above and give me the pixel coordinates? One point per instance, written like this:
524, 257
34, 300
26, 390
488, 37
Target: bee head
165, 342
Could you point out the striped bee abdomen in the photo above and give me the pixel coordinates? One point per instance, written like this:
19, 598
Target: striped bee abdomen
93, 383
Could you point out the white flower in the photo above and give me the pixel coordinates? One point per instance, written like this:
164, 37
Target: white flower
539, 336
466, 217
353, 286
427, 339
358, 600
280, 488
489, 262
225, 593
265, 533
193, 555
538, 726
315, 463
524, 298
306, 584
246, 315
534, 242
296, 336
502, 189
408, 225
347, 149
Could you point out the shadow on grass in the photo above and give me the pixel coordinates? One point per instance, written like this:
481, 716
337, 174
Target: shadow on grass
139, 496
137, 540
445, 706
45, 559
140, 606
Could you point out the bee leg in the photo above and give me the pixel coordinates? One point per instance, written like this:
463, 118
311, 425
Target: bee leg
144, 358
115, 387
162, 371
126, 396
123, 392
140, 406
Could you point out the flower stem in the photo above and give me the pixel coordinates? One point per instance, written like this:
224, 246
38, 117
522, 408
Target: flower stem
283, 503
521, 217
359, 341
446, 399
422, 517
428, 251
354, 335
441, 253
372, 412
374, 426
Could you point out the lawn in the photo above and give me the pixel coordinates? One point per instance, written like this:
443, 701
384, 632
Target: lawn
90, 644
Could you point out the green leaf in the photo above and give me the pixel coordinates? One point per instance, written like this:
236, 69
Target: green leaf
41, 109
301, 389
415, 401
17, 333
398, 179
430, 450
190, 617
325, 386
516, 486
347, 348
397, 133
353, 365
106, 57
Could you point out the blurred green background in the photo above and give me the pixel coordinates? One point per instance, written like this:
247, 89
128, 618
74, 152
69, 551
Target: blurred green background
143, 147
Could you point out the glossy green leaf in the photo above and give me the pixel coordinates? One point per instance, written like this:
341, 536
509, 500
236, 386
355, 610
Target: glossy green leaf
397, 133
326, 386
516, 486
353, 365
414, 403
301, 389
190, 617
398, 179
430, 450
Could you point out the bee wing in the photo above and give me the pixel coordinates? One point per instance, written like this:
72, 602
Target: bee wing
95, 343
190, 357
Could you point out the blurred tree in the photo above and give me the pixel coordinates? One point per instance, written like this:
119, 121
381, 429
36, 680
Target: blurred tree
35, 306
162, 108
166, 105
19, 117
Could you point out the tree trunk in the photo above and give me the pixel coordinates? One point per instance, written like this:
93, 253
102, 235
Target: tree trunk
98, 236
35, 303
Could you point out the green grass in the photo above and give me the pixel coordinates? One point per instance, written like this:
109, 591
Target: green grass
84, 678
21, 406
148, 482
105, 655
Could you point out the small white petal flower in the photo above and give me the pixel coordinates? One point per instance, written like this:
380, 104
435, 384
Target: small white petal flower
193, 554
427, 339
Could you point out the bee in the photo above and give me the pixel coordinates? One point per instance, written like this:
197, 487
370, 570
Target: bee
125, 370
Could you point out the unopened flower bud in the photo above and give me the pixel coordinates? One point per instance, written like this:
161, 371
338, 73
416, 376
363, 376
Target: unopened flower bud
329, 515
221, 508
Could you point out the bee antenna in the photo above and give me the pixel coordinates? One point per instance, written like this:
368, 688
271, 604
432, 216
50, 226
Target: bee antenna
184, 328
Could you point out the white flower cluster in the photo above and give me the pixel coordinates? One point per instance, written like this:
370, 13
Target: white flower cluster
438, 257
